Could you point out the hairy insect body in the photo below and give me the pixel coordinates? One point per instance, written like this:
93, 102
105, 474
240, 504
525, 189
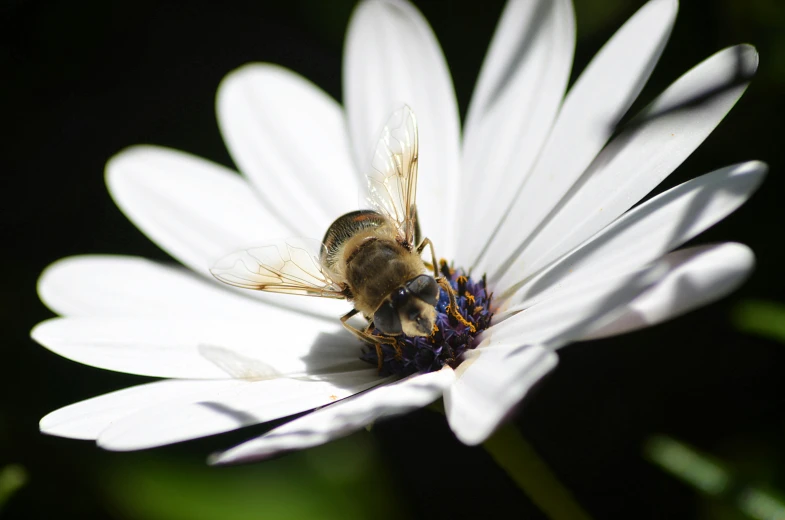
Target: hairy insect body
351, 229
362, 250
371, 258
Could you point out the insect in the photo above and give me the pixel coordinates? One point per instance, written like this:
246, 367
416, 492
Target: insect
371, 258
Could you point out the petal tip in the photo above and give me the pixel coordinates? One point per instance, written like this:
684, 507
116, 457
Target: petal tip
116, 172
385, 9
748, 60
229, 458
244, 72
35, 332
44, 282
670, 6
45, 425
54, 424
474, 437
38, 332
741, 256
214, 459
755, 168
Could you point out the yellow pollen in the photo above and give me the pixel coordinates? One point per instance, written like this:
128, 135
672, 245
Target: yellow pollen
443, 264
469, 297
457, 315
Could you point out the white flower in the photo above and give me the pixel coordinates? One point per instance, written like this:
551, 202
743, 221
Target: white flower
532, 194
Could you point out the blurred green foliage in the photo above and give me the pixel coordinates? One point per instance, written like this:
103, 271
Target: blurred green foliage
761, 317
12, 478
732, 490
699, 470
340, 480
744, 483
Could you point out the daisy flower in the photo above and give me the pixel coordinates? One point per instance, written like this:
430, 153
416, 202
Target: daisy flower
539, 192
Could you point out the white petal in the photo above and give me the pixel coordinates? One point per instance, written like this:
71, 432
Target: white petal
648, 231
229, 408
104, 285
514, 354
392, 58
565, 315
518, 94
629, 167
490, 382
87, 419
591, 112
343, 418
197, 211
290, 139
698, 276
261, 348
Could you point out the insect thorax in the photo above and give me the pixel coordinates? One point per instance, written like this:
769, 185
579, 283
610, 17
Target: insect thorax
342, 230
377, 268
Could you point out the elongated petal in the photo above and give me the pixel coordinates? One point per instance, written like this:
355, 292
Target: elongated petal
195, 210
698, 276
648, 231
490, 382
566, 315
591, 111
514, 354
87, 419
229, 408
289, 138
515, 102
260, 348
392, 58
343, 418
104, 285
630, 166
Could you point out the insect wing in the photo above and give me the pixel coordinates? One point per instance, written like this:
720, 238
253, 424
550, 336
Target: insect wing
290, 267
392, 182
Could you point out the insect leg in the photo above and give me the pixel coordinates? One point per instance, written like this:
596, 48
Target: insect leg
452, 308
427, 242
365, 336
398, 351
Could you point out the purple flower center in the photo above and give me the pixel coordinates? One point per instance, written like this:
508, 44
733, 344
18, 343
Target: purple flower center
451, 339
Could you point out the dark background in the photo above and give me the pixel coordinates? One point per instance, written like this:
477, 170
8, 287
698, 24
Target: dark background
81, 80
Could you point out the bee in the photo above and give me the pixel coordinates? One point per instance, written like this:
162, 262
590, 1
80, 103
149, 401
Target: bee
371, 258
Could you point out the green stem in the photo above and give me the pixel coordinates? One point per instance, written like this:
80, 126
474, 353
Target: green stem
519, 459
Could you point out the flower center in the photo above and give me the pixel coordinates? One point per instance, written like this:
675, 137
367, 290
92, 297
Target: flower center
451, 337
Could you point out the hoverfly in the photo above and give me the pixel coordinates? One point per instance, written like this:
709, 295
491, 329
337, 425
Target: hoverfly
372, 258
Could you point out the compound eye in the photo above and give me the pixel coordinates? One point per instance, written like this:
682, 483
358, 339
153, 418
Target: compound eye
425, 288
387, 321
398, 297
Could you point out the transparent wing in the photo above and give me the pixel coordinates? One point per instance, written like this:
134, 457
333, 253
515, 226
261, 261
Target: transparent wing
392, 182
290, 267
